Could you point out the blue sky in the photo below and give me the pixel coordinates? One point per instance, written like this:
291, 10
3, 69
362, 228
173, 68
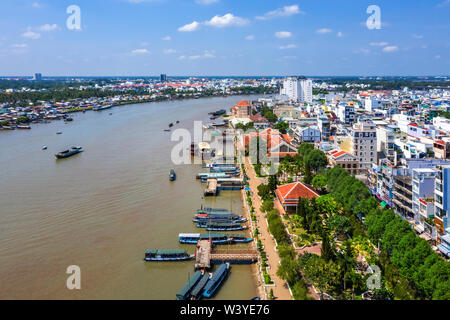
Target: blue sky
224, 37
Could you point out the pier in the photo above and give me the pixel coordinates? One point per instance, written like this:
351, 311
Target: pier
211, 187
207, 256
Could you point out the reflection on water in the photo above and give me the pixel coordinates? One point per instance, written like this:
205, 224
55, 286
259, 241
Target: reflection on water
103, 208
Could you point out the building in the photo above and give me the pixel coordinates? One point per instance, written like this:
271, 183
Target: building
385, 142
288, 195
442, 198
441, 149
38, 76
242, 109
402, 200
423, 191
163, 78
363, 144
444, 247
324, 126
344, 160
297, 89
307, 134
346, 113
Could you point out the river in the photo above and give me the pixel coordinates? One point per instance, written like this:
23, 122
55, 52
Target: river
101, 209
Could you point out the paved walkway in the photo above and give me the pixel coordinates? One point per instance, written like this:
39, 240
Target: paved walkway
280, 290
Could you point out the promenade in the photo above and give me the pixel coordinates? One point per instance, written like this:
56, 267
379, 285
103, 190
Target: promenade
280, 290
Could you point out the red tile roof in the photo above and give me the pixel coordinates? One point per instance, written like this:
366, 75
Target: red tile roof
289, 193
243, 103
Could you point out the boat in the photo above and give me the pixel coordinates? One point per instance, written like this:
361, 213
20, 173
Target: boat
256, 298
23, 127
197, 292
68, 153
173, 175
218, 113
185, 291
216, 280
68, 119
221, 226
167, 130
216, 238
59, 132
167, 255
44, 148
229, 217
178, 121
170, 125
100, 108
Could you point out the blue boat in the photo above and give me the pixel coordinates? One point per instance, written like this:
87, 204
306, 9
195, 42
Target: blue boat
221, 226
216, 238
185, 292
229, 217
167, 255
216, 280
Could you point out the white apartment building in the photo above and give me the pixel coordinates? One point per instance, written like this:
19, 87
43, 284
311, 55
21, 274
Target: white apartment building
297, 89
385, 142
346, 113
363, 144
422, 189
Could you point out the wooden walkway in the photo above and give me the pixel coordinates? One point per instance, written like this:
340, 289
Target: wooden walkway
206, 255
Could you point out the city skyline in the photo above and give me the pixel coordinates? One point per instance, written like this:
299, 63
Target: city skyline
224, 38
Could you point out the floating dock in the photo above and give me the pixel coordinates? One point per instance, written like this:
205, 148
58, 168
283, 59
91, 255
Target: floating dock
206, 256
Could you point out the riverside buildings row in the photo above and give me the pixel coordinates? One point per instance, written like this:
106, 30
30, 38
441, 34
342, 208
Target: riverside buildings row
397, 142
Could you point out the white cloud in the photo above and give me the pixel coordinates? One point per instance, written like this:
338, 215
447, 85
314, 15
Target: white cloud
19, 45
37, 5
144, 44
167, 38
206, 1
417, 36
437, 57
283, 34
189, 27
378, 44
226, 20
443, 4
250, 37
363, 51
181, 57
339, 34
206, 55
169, 51
31, 35
286, 11
49, 27
289, 46
140, 51
390, 49
323, 31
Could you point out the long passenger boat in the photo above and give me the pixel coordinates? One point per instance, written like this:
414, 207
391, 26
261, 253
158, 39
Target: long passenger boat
197, 292
230, 217
68, 153
216, 238
216, 280
167, 255
221, 226
185, 291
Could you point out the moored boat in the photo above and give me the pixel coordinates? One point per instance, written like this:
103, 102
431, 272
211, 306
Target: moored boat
216, 280
167, 255
221, 226
68, 153
172, 175
215, 238
185, 291
197, 292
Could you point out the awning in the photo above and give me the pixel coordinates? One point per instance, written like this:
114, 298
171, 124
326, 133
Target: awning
444, 250
383, 204
419, 228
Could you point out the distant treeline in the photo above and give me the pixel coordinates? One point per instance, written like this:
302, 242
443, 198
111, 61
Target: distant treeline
388, 84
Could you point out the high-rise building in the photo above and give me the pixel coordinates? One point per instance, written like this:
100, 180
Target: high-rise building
442, 199
37, 76
297, 89
163, 78
364, 144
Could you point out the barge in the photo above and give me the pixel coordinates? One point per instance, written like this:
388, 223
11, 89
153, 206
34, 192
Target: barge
167, 255
68, 153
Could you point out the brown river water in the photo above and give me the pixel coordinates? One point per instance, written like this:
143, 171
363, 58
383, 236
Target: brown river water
101, 209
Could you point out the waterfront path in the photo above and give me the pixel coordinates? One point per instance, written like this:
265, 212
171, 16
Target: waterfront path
280, 290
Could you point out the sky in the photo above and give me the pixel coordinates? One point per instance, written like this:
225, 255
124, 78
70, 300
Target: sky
224, 38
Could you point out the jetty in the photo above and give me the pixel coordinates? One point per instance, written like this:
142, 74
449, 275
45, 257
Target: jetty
211, 187
206, 255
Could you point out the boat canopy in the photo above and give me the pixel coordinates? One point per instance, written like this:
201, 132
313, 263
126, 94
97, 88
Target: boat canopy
200, 285
216, 276
189, 284
165, 252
